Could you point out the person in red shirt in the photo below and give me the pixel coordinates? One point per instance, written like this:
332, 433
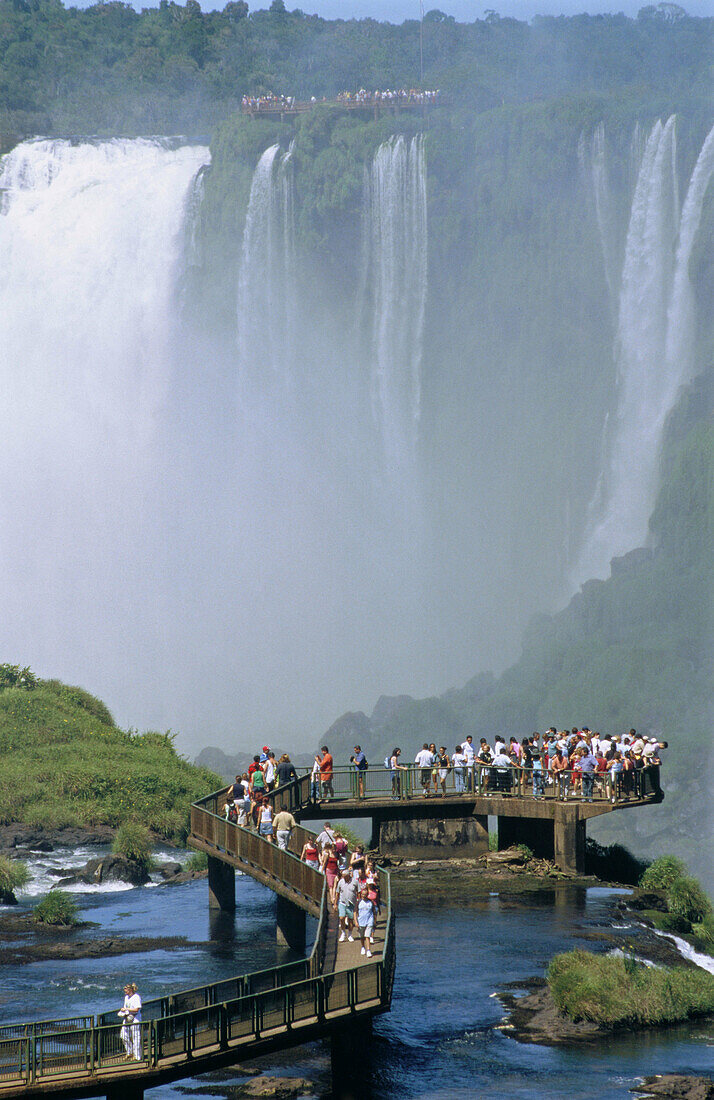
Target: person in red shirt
326, 773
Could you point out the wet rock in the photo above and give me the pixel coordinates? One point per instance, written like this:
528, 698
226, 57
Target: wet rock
169, 870
677, 1086
7, 898
279, 1088
648, 899
535, 1018
107, 869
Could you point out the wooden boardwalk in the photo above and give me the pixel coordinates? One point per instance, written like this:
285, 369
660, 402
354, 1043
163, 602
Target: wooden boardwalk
241, 1018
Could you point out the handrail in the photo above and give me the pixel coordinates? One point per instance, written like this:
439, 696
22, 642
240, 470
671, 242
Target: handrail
405, 784
233, 1012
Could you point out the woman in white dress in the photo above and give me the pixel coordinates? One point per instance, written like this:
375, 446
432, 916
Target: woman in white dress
130, 1014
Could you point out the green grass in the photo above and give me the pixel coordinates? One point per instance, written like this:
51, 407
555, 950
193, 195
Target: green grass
197, 861
14, 875
617, 992
56, 908
662, 872
133, 841
65, 762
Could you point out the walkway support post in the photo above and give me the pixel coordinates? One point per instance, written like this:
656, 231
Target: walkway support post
569, 839
221, 885
349, 1043
125, 1091
290, 924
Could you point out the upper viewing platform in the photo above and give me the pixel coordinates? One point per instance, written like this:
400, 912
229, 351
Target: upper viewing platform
362, 100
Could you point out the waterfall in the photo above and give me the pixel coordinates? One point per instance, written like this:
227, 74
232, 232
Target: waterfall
653, 347
394, 278
91, 242
593, 163
267, 304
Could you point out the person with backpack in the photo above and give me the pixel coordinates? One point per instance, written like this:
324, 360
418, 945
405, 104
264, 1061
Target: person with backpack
230, 811
360, 762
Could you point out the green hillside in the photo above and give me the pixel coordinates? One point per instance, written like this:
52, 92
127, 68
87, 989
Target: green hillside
66, 762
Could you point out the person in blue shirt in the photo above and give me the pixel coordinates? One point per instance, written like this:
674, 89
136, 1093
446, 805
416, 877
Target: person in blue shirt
588, 767
365, 921
360, 762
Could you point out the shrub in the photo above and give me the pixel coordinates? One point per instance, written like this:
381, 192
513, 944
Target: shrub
703, 933
687, 900
662, 873
14, 875
133, 841
198, 861
525, 851
613, 862
616, 992
56, 908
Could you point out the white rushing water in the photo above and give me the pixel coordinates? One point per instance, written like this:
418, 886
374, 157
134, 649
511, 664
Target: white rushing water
654, 346
267, 286
394, 278
704, 962
91, 237
592, 156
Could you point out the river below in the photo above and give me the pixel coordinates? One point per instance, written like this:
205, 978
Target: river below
441, 1040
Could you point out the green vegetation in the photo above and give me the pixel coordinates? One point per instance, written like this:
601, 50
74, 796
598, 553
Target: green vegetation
197, 861
662, 872
687, 901
613, 863
133, 841
619, 992
56, 908
65, 762
14, 875
175, 68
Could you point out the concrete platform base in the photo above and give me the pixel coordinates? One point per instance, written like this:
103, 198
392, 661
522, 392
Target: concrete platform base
440, 831
221, 885
349, 1059
290, 924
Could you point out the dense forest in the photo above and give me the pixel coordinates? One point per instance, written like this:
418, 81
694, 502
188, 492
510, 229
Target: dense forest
111, 69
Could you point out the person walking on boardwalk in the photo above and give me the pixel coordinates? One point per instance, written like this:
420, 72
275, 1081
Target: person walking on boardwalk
283, 823
365, 921
346, 895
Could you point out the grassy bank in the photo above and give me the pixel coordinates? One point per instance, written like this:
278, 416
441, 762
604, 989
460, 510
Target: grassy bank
620, 992
65, 762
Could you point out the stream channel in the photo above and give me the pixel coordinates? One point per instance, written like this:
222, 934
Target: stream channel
441, 1038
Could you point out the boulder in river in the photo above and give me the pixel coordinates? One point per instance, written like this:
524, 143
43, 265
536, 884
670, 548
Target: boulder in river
676, 1086
107, 869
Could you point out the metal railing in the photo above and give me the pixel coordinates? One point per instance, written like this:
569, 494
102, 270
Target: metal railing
410, 781
210, 1019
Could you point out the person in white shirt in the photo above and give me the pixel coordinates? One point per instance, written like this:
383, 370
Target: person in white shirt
130, 1014
425, 758
459, 761
468, 750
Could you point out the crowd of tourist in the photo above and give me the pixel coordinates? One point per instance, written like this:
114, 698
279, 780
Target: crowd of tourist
272, 102
247, 801
575, 762
352, 882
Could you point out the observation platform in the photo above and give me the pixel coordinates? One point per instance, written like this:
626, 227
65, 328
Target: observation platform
375, 107
547, 814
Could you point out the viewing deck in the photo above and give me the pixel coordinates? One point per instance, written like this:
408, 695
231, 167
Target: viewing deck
283, 109
241, 1018
547, 813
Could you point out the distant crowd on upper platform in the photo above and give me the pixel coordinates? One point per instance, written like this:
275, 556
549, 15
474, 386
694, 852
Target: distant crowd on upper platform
272, 102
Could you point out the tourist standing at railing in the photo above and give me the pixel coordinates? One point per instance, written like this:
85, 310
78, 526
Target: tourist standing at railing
588, 767
559, 771
537, 772
283, 823
130, 1013
326, 768
434, 766
458, 759
424, 759
615, 770
502, 768
484, 759
360, 762
467, 748
394, 769
315, 779
444, 765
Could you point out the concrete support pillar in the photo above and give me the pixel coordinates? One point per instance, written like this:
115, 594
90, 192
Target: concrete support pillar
349, 1058
126, 1091
569, 839
290, 924
221, 885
